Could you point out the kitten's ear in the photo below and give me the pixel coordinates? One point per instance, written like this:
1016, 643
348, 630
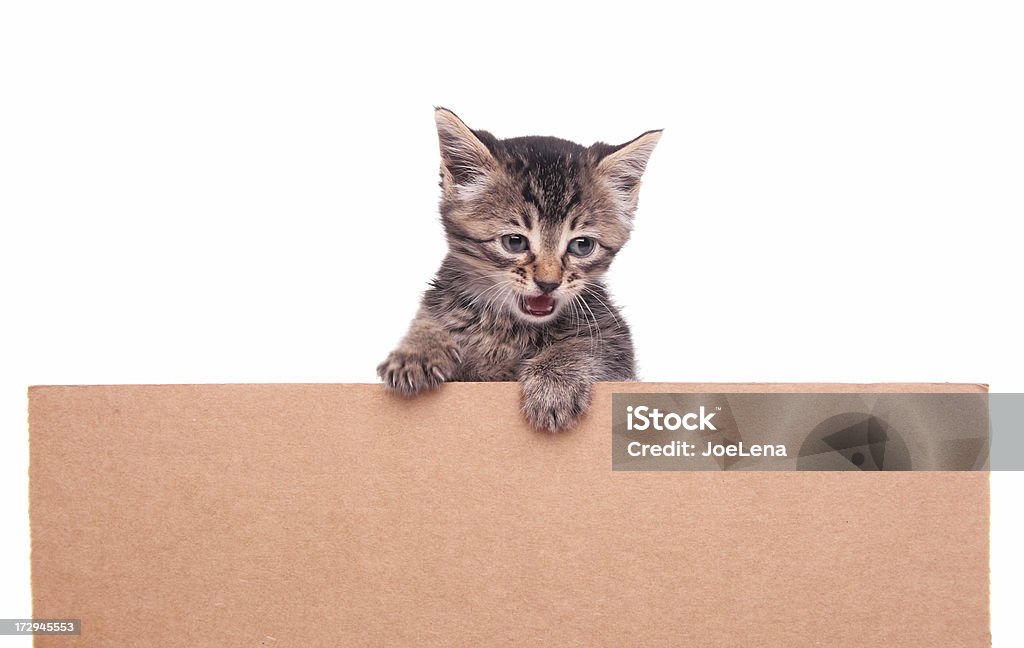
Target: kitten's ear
465, 160
623, 165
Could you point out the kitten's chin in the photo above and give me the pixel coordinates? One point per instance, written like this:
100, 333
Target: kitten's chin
538, 309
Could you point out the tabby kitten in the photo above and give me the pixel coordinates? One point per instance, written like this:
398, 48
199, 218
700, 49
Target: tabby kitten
532, 225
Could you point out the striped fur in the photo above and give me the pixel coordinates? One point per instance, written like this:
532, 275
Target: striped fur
477, 322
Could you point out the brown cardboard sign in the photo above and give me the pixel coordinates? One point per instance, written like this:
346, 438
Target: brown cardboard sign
339, 515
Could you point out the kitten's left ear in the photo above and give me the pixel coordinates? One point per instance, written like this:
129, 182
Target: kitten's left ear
623, 165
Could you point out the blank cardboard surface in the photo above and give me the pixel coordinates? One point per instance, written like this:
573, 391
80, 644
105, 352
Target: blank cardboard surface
338, 515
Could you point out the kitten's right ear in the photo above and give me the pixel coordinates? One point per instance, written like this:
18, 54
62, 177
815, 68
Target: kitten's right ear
465, 160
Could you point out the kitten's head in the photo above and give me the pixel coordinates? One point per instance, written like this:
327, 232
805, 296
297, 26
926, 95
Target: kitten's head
533, 220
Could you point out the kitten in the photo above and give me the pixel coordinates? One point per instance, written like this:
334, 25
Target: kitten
532, 224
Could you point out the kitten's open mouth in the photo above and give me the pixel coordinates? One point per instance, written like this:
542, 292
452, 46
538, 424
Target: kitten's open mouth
538, 306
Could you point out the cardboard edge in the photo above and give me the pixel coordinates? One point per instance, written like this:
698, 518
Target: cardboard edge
823, 387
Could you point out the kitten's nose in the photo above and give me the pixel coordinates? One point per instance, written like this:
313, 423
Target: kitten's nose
547, 286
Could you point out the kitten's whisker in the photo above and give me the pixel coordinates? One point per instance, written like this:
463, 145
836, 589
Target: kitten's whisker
501, 293
492, 288
479, 296
509, 294
593, 338
576, 313
485, 306
600, 339
491, 275
504, 276
609, 309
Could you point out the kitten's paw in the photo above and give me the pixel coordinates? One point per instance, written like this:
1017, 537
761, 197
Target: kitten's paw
554, 401
410, 371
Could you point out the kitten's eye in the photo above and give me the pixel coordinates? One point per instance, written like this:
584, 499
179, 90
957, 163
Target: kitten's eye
515, 243
581, 246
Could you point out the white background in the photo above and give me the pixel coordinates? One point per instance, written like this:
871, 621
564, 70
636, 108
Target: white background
246, 192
